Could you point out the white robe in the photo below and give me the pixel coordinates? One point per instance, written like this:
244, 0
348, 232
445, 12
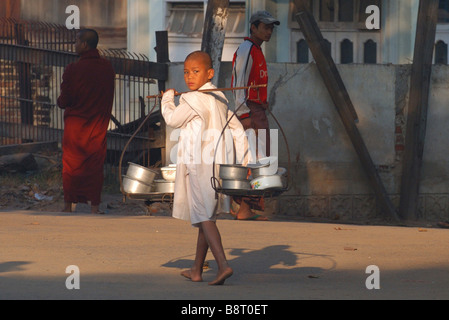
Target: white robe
201, 117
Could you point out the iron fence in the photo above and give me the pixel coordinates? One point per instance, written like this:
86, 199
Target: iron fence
33, 56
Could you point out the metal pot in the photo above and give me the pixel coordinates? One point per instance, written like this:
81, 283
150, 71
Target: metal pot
264, 167
266, 170
140, 173
169, 173
236, 184
164, 186
233, 172
134, 186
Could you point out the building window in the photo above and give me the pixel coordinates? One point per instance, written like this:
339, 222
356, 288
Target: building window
347, 51
346, 10
331, 14
441, 52
327, 10
302, 49
370, 52
443, 11
187, 18
236, 20
343, 25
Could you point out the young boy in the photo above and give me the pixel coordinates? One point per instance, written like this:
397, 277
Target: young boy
201, 117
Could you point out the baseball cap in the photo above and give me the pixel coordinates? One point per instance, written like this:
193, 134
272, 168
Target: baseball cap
264, 17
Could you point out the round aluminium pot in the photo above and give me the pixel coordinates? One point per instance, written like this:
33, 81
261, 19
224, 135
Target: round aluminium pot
236, 184
264, 167
233, 172
266, 171
169, 173
131, 185
140, 173
266, 182
164, 186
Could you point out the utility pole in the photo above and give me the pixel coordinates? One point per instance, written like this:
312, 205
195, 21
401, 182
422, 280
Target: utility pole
417, 109
214, 32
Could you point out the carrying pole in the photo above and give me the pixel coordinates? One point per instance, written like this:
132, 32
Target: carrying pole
213, 90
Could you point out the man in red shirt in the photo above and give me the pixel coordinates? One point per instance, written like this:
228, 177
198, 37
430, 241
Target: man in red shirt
250, 68
87, 94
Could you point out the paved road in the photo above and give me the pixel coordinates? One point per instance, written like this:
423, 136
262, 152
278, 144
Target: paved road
140, 257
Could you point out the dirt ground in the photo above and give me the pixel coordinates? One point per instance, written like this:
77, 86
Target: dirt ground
136, 251
141, 257
32, 197
41, 190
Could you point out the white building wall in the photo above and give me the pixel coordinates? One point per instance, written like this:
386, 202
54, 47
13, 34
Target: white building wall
145, 17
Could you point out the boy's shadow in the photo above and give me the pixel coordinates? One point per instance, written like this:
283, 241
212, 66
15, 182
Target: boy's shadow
272, 260
12, 266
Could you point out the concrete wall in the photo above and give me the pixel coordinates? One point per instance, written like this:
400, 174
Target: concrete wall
328, 181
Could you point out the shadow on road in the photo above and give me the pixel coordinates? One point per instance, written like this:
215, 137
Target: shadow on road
276, 259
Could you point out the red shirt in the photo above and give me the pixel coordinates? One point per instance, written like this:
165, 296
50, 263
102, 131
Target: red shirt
249, 68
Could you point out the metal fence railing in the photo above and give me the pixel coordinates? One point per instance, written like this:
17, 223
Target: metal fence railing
33, 56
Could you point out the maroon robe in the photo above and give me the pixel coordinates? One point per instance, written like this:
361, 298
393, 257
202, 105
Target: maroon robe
87, 94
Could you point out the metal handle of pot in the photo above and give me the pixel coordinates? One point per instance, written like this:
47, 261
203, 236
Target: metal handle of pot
129, 141
213, 180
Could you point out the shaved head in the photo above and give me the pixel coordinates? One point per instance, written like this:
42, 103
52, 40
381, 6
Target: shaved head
198, 69
202, 56
89, 36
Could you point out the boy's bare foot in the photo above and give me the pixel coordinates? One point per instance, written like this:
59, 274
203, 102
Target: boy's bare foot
221, 277
191, 276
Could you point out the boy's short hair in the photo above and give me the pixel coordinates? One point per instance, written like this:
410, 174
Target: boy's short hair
203, 56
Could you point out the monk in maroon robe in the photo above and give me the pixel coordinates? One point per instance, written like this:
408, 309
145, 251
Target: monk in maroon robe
87, 93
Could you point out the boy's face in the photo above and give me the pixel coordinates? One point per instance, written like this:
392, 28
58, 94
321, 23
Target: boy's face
196, 73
